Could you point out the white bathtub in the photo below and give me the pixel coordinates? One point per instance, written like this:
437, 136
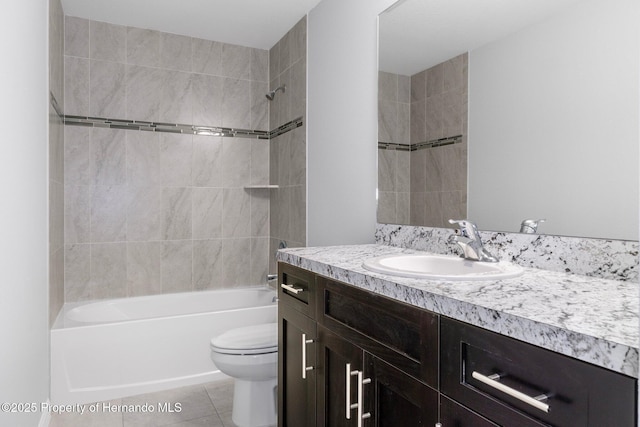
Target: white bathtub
116, 348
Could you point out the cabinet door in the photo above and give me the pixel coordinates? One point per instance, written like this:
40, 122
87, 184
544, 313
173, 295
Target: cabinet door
296, 372
396, 399
452, 414
339, 362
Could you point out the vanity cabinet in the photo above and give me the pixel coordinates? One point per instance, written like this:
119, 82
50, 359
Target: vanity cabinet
349, 357
354, 349
297, 335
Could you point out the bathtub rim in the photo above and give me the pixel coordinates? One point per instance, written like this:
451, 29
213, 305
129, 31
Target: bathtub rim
62, 322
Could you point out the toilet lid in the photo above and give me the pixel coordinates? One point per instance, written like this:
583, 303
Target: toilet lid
255, 339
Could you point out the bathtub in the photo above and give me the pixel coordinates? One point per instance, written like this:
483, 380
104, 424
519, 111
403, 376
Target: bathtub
115, 348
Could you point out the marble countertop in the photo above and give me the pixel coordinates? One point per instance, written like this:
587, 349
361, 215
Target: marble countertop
590, 319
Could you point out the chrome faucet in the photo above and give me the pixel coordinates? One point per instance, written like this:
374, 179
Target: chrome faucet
468, 238
530, 226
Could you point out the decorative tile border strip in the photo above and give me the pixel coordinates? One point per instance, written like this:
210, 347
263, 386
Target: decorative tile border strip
163, 127
172, 127
56, 107
293, 124
181, 128
393, 146
420, 145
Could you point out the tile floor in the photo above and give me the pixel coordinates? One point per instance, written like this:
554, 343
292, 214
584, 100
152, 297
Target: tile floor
201, 405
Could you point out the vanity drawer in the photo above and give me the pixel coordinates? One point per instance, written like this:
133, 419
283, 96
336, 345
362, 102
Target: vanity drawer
500, 378
297, 288
397, 333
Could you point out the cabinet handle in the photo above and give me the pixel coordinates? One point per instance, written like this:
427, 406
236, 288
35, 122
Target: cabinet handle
348, 374
492, 381
361, 383
305, 368
291, 289
360, 403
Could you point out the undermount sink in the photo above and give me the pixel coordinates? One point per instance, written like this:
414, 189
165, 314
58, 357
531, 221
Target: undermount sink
440, 267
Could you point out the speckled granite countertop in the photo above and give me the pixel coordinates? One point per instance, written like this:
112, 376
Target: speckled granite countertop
591, 319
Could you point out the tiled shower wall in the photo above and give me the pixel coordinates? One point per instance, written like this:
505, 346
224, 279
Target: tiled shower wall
439, 97
429, 185
56, 164
287, 66
394, 108
148, 212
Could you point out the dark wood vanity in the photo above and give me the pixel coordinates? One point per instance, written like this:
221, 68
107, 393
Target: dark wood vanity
350, 357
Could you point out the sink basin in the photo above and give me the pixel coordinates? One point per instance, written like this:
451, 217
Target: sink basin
440, 267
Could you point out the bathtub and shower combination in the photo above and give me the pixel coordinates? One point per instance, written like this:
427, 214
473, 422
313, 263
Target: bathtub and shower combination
115, 348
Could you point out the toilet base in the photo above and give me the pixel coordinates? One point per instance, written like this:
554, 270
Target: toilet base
254, 403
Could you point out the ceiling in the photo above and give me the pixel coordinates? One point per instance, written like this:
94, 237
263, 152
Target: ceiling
417, 34
253, 23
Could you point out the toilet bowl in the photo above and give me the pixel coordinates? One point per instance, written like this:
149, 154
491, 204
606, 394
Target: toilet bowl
250, 356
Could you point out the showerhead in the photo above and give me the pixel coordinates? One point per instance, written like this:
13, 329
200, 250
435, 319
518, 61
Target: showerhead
272, 94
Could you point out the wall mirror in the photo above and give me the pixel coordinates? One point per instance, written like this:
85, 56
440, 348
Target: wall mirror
501, 111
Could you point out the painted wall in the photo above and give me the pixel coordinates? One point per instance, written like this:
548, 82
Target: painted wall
342, 93
24, 242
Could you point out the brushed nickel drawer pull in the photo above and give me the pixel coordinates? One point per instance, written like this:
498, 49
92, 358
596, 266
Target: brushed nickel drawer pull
348, 405
491, 381
291, 289
361, 383
305, 368
359, 405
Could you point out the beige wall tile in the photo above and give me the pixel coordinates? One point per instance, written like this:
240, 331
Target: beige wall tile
207, 161
207, 213
108, 270
144, 213
107, 89
76, 37
207, 56
177, 213
176, 266
143, 47
236, 268
76, 86
144, 261
108, 41
236, 213
175, 52
207, 264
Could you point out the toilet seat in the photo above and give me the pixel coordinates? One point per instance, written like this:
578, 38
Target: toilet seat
255, 339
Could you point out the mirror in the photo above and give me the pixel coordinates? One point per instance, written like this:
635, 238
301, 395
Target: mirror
530, 112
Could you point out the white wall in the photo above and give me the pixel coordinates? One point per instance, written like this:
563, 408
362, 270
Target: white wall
24, 331
342, 119
553, 112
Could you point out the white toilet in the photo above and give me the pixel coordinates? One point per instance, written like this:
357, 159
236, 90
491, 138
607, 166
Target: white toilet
250, 356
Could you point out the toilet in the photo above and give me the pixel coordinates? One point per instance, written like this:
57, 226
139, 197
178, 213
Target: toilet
250, 356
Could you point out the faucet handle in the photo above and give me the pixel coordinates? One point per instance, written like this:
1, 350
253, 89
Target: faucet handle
467, 228
530, 226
